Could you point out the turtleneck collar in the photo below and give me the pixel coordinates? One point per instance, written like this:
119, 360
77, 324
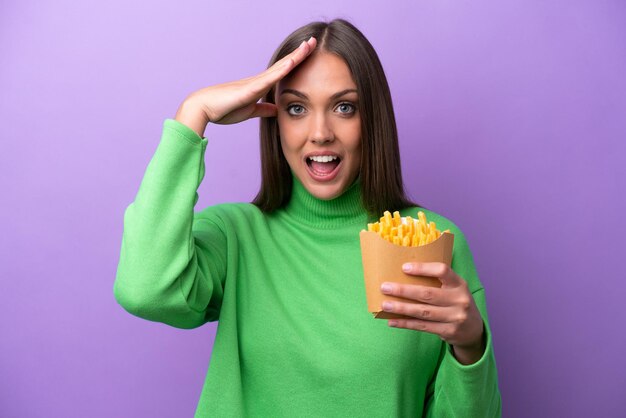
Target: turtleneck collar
343, 210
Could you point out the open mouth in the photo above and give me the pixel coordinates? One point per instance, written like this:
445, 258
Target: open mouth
323, 167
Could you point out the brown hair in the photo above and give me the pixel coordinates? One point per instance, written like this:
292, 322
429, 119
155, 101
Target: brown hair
380, 173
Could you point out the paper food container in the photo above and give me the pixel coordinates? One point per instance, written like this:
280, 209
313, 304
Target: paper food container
382, 262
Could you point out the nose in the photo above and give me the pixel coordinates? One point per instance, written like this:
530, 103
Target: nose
320, 130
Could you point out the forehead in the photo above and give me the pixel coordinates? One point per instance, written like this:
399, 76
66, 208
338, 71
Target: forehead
320, 74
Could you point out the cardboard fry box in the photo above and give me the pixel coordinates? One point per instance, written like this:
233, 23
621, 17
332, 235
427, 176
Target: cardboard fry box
382, 262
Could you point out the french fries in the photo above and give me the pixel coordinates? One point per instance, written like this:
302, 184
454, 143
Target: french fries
406, 231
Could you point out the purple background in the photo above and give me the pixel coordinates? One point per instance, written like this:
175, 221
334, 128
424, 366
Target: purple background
512, 121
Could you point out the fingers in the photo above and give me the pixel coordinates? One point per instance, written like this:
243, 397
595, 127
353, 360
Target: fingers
445, 331
295, 57
282, 67
461, 329
442, 329
236, 101
264, 110
442, 271
425, 294
419, 311
252, 110
449, 313
298, 55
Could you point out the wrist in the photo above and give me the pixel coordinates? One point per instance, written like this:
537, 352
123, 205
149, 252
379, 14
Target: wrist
470, 354
191, 114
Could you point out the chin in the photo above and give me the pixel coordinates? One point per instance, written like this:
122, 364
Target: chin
325, 191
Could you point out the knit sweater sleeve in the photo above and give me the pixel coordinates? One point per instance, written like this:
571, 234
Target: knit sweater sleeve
467, 391
172, 268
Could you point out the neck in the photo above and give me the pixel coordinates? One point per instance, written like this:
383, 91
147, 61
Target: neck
342, 210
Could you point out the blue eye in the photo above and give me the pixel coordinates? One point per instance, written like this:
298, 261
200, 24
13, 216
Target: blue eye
295, 110
346, 108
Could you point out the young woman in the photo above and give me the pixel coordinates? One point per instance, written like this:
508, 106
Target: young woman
283, 274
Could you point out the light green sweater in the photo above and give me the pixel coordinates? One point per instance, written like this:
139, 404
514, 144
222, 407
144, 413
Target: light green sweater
295, 338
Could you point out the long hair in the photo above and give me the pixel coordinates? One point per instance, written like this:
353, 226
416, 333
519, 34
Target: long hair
380, 172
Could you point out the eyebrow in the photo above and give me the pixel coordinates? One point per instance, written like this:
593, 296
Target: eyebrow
305, 97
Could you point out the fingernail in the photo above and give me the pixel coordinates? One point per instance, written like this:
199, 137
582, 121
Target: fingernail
386, 287
387, 306
393, 323
406, 268
302, 44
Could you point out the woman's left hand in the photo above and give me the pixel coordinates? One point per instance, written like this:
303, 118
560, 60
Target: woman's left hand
449, 312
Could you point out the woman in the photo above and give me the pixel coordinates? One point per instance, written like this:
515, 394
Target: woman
283, 275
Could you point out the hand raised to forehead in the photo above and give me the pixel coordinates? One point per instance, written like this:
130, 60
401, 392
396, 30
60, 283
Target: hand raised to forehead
236, 101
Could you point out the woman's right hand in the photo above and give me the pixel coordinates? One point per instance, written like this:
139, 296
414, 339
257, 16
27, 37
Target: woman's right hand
236, 101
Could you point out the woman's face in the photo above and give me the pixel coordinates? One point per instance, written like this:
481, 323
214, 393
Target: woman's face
319, 124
